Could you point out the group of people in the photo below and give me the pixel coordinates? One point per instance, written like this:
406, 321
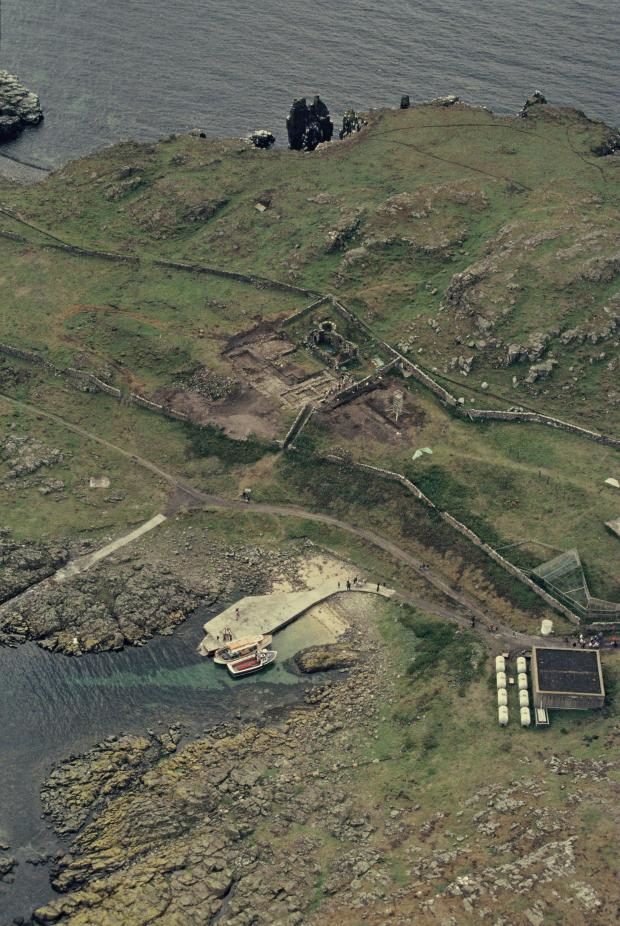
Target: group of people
356, 582
595, 641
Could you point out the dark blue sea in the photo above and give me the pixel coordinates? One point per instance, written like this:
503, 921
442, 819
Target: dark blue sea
112, 69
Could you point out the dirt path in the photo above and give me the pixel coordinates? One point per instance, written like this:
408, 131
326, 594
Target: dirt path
76, 566
467, 607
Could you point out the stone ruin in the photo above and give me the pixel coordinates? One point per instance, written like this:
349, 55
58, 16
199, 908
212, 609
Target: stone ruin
308, 126
339, 350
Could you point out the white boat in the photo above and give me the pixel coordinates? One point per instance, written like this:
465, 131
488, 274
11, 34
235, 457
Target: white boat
254, 662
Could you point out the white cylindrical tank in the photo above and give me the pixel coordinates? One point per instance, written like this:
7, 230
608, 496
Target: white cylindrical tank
502, 716
524, 698
501, 679
546, 628
502, 697
525, 717
500, 664
522, 681
521, 664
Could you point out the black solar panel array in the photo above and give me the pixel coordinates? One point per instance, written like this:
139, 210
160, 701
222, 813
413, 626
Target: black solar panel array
568, 670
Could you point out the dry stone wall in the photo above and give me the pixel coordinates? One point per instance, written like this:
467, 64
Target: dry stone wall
469, 535
258, 282
475, 414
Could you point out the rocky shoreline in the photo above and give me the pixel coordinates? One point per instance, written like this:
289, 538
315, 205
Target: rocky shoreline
181, 830
306, 820
130, 597
19, 107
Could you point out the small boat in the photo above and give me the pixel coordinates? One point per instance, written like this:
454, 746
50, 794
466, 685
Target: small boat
254, 662
235, 649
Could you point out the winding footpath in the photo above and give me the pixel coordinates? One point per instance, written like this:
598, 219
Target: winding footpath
464, 608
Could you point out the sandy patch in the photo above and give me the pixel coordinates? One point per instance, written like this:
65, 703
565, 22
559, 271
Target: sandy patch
317, 569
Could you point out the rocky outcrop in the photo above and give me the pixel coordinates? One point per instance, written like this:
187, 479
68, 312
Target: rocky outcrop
541, 371
308, 126
19, 107
25, 455
351, 122
460, 288
324, 658
536, 99
24, 563
7, 864
450, 100
609, 144
530, 352
106, 608
261, 138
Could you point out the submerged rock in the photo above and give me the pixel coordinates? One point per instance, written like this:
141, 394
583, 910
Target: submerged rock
308, 126
7, 864
19, 107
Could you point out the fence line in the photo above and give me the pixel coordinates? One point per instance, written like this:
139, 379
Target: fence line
466, 532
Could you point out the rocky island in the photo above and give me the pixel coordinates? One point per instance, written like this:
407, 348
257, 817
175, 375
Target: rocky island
231, 369
19, 107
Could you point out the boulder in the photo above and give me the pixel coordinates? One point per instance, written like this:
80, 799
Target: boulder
541, 371
323, 658
308, 126
19, 107
536, 99
449, 100
351, 122
7, 864
261, 138
608, 145
530, 352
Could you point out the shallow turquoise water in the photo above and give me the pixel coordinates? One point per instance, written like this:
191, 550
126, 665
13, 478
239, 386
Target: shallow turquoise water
52, 706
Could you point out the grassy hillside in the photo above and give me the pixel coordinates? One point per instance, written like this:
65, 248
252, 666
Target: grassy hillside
485, 248
499, 231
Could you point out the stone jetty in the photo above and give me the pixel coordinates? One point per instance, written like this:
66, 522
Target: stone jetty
262, 614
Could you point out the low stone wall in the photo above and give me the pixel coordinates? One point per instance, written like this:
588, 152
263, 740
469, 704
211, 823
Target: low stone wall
87, 380
13, 236
92, 252
509, 567
300, 422
481, 414
350, 393
468, 534
475, 414
140, 400
307, 309
259, 282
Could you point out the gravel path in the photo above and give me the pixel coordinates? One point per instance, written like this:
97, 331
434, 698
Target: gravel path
467, 607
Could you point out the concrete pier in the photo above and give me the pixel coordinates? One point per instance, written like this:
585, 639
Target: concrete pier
260, 614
